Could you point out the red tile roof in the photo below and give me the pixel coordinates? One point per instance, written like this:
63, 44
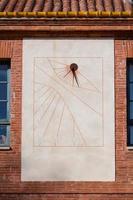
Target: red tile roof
65, 6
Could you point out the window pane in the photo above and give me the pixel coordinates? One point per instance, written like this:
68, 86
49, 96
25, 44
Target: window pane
3, 110
4, 135
131, 73
3, 74
131, 91
131, 135
3, 91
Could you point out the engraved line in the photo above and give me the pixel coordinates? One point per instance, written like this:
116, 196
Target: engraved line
72, 116
60, 71
43, 101
68, 76
41, 83
45, 92
40, 89
84, 141
68, 79
47, 74
81, 135
73, 133
90, 82
44, 113
89, 90
78, 146
67, 73
40, 57
70, 92
58, 68
52, 114
103, 99
57, 62
33, 141
38, 83
73, 119
59, 124
46, 146
73, 80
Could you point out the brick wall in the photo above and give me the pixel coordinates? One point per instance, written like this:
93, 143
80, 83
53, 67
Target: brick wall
11, 187
10, 160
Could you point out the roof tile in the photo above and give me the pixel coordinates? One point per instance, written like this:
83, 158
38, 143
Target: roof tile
57, 5
10, 6
3, 4
91, 5
65, 5
74, 5
29, 5
118, 5
99, 5
20, 5
48, 6
108, 5
83, 5
127, 5
38, 6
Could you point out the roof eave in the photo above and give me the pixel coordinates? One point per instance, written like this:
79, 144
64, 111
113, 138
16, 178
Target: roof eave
71, 14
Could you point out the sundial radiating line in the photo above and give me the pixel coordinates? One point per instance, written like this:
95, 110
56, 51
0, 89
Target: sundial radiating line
44, 93
73, 133
58, 68
44, 113
44, 100
59, 125
52, 115
60, 71
90, 82
72, 93
81, 135
67, 73
79, 96
73, 81
69, 78
38, 83
73, 119
59, 62
89, 90
40, 89
75, 78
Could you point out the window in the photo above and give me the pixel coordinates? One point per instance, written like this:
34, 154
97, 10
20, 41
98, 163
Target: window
4, 103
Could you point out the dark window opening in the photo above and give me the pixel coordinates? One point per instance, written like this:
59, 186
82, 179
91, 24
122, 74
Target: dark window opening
4, 103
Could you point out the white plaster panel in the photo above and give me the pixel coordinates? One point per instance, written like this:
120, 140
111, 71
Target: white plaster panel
68, 127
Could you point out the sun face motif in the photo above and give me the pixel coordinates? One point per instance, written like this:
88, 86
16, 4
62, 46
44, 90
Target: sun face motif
68, 102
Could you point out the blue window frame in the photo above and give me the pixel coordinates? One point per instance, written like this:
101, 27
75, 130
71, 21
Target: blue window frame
4, 103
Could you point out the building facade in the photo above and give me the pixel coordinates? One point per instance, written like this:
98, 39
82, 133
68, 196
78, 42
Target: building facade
66, 85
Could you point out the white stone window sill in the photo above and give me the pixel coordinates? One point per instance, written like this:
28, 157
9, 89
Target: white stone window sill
130, 148
5, 148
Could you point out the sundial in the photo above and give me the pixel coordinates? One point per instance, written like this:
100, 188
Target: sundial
68, 102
